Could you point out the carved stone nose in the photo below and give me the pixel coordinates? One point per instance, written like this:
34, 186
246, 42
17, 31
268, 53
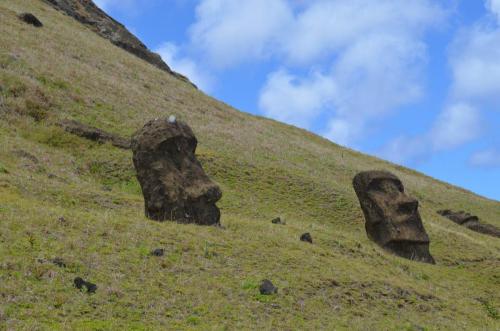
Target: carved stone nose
408, 206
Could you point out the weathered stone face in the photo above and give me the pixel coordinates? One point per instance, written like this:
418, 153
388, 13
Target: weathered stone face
392, 219
174, 185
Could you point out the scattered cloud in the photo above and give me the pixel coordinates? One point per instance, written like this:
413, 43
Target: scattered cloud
330, 26
170, 53
123, 4
374, 57
457, 125
231, 32
475, 63
494, 7
489, 158
296, 101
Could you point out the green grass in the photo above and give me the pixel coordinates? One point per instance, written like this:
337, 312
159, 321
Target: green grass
208, 278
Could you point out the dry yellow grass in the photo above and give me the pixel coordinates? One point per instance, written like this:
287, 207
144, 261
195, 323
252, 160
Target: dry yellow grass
208, 277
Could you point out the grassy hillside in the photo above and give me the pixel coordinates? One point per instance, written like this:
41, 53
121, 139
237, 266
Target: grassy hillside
63, 196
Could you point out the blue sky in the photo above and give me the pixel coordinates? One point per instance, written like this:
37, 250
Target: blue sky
416, 82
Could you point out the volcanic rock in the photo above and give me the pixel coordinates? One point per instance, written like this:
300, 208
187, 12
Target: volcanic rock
59, 262
392, 219
306, 237
277, 220
94, 134
87, 13
471, 222
173, 182
30, 19
267, 288
80, 284
158, 252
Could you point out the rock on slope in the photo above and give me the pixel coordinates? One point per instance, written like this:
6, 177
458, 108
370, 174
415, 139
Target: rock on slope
86, 12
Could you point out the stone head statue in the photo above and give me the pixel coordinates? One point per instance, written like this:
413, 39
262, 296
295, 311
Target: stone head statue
392, 219
173, 182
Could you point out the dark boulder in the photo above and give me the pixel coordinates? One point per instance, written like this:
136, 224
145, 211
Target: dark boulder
267, 288
392, 219
59, 262
471, 222
173, 182
306, 237
158, 252
460, 217
94, 134
30, 19
80, 284
277, 220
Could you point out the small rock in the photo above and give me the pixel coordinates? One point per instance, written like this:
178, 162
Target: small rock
267, 288
80, 284
171, 119
59, 262
158, 252
306, 237
25, 155
277, 220
30, 19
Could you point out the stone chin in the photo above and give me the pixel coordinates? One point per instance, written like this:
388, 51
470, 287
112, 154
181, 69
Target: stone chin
412, 250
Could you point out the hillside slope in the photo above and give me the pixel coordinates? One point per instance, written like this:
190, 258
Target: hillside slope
65, 197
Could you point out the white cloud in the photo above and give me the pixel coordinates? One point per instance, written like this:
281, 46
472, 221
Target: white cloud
107, 4
489, 158
329, 26
102, 3
475, 62
343, 131
375, 54
295, 101
407, 149
457, 125
230, 32
494, 7
186, 66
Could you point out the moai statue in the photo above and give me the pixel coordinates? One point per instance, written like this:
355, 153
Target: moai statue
392, 219
174, 185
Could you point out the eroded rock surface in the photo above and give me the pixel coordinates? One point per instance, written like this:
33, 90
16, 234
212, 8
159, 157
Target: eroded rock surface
471, 222
94, 134
306, 237
392, 219
80, 283
173, 182
86, 12
30, 19
267, 287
